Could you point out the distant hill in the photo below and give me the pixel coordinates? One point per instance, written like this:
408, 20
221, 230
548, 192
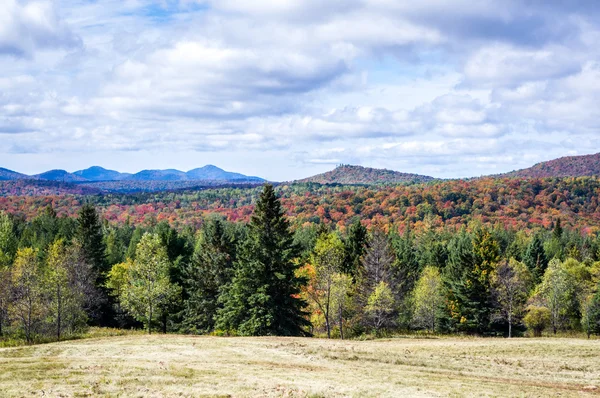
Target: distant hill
97, 173
210, 172
347, 174
6, 175
206, 173
59, 175
159, 175
570, 166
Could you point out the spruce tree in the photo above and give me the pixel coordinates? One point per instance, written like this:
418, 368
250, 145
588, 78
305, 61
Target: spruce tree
204, 278
354, 247
263, 297
467, 278
535, 258
90, 237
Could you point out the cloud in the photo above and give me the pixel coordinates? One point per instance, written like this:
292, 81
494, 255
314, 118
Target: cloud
30, 26
449, 88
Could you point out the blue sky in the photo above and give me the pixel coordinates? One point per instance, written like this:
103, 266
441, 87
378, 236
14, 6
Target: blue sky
290, 88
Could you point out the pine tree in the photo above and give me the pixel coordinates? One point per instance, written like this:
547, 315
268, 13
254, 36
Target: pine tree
354, 246
467, 279
535, 258
263, 297
209, 271
91, 239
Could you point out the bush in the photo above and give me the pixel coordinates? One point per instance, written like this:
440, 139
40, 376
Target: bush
537, 319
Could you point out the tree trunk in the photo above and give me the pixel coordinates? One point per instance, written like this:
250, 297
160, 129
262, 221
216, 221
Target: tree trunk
509, 325
341, 321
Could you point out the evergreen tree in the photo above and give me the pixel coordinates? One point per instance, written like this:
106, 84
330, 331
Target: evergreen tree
91, 239
406, 268
8, 240
209, 271
263, 297
535, 257
467, 278
354, 247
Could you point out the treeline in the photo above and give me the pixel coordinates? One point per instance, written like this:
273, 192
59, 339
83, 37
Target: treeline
267, 277
515, 203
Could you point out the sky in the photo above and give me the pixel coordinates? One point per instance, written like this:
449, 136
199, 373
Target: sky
289, 88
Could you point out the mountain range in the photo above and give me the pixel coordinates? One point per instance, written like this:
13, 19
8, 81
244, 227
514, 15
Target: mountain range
570, 166
97, 174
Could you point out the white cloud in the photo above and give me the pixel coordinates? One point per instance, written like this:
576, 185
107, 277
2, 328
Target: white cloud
28, 26
440, 87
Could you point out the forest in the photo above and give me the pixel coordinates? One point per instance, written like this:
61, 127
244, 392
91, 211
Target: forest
489, 258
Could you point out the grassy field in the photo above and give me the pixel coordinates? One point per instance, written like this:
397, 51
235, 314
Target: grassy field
185, 366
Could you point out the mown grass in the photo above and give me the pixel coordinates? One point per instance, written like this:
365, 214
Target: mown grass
186, 366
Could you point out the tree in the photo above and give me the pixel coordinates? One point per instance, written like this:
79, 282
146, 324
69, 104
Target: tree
66, 297
148, 282
406, 268
263, 297
354, 247
537, 319
327, 260
210, 269
380, 306
428, 298
511, 282
5, 297
8, 240
535, 258
557, 292
591, 314
378, 261
340, 297
91, 239
27, 305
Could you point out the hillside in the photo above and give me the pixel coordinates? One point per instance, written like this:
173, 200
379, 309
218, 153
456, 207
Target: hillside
210, 172
97, 173
6, 174
570, 166
348, 174
59, 175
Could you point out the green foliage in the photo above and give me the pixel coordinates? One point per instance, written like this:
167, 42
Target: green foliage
535, 257
8, 240
537, 319
380, 307
428, 298
591, 313
263, 297
511, 283
557, 292
148, 285
64, 290
354, 247
27, 305
210, 269
327, 260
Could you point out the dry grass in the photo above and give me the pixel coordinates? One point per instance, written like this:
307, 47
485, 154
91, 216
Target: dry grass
185, 366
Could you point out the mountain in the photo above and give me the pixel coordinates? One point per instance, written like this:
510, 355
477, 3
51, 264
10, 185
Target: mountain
210, 172
59, 175
6, 174
570, 166
205, 173
347, 174
159, 175
97, 173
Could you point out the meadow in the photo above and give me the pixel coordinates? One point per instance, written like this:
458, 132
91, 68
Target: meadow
191, 366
